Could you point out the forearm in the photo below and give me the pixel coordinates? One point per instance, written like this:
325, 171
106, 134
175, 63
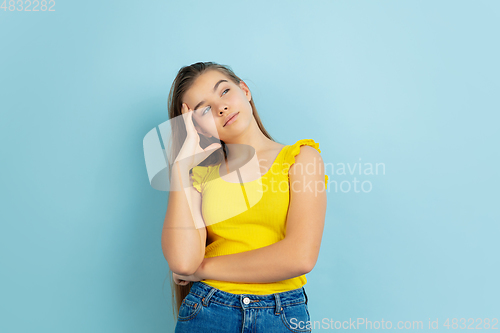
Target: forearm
181, 240
273, 263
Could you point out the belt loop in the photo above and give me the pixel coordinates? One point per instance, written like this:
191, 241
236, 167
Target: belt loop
206, 299
278, 304
305, 293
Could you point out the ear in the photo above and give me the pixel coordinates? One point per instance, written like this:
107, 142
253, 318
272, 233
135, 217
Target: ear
246, 90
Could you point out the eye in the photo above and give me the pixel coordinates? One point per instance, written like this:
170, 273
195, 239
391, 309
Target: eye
208, 108
205, 111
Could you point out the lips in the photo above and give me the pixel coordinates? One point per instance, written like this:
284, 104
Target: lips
230, 117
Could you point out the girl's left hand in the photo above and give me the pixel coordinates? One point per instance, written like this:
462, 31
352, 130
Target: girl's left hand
183, 280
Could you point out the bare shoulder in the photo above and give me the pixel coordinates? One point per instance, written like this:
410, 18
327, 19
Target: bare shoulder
307, 159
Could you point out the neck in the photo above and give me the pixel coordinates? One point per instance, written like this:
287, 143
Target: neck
252, 137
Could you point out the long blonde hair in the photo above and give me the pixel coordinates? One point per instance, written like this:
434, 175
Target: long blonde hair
182, 82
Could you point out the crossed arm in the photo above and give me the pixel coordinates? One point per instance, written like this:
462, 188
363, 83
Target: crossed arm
298, 252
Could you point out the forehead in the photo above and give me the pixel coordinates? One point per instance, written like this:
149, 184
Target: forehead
203, 86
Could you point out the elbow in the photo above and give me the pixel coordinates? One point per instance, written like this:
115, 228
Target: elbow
181, 262
308, 264
183, 269
307, 268
305, 259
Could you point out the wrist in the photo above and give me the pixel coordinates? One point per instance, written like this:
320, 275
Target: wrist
179, 178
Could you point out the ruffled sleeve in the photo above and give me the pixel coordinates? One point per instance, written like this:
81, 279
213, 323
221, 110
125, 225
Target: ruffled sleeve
295, 150
198, 174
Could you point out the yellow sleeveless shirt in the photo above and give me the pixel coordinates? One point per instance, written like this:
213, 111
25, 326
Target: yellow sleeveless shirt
248, 216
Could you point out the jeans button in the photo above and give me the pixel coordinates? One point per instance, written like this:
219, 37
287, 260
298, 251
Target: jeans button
246, 300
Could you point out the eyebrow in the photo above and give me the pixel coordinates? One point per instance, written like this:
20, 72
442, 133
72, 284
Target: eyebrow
215, 88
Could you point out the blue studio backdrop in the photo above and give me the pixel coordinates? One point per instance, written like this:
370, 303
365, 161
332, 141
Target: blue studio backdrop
406, 89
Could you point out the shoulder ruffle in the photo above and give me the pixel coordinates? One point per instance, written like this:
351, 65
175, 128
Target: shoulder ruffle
198, 174
294, 150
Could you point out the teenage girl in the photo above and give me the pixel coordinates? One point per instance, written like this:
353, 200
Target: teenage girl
238, 242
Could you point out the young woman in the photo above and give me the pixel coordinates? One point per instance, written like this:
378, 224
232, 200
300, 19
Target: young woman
238, 241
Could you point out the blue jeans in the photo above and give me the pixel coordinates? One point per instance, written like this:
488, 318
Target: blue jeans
208, 309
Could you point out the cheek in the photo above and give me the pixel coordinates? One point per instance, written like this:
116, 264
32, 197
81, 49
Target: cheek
238, 99
207, 124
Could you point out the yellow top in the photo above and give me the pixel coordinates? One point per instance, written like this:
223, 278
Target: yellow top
243, 217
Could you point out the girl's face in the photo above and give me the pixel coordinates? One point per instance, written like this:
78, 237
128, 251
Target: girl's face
213, 97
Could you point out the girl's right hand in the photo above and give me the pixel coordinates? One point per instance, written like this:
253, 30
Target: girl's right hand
191, 153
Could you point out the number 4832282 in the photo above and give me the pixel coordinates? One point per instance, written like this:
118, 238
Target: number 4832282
28, 6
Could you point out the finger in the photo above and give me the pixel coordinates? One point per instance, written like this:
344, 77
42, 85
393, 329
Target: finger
186, 112
188, 119
185, 108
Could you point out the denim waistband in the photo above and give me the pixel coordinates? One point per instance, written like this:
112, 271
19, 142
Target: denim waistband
210, 294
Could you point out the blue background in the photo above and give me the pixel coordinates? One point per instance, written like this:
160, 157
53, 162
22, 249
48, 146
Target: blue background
411, 84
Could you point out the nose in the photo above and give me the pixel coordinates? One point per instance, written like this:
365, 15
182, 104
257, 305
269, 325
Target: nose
225, 109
